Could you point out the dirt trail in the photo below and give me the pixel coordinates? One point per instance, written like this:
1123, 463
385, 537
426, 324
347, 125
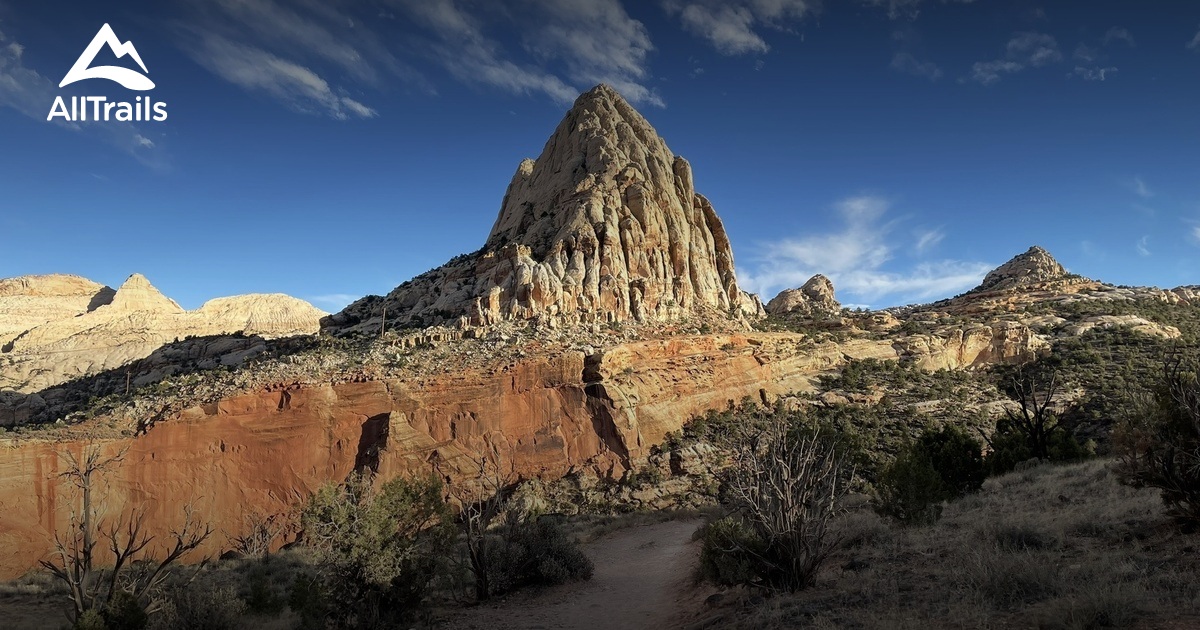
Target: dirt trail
642, 580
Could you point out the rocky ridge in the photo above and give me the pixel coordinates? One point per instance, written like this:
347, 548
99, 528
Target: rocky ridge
84, 328
605, 226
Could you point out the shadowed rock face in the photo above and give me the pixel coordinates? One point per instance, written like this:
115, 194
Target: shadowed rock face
604, 226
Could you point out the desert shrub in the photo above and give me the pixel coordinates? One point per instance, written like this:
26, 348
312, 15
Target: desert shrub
308, 599
910, 490
785, 485
941, 465
533, 551
124, 612
728, 550
956, 457
1159, 445
378, 548
201, 607
261, 598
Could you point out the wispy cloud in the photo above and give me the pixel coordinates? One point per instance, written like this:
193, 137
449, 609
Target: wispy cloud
1196, 234
1143, 246
31, 93
928, 239
855, 258
257, 70
734, 27
1138, 186
286, 49
1118, 34
1195, 43
593, 42
1023, 50
907, 63
906, 9
1095, 73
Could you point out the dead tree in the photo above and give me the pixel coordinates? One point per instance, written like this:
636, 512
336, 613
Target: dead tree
787, 484
134, 570
482, 507
1035, 421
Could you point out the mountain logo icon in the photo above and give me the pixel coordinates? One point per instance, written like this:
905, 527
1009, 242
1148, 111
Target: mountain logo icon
130, 79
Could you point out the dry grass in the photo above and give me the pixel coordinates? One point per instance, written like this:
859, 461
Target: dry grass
1051, 547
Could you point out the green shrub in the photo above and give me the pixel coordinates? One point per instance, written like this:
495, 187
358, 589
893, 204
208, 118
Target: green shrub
124, 612
307, 598
727, 552
941, 465
1159, 445
910, 490
261, 598
379, 548
956, 457
533, 551
1010, 447
200, 606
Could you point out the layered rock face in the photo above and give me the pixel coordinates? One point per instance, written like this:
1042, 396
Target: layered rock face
605, 225
30, 301
814, 299
74, 335
264, 451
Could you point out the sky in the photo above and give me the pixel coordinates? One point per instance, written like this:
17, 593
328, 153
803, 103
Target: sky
330, 149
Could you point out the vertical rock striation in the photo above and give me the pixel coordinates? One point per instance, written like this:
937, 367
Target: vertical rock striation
605, 225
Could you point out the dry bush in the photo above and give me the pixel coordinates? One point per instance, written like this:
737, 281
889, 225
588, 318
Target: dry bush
784, 488
1159, 445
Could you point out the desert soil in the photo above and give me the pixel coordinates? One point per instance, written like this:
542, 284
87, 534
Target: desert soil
643, 579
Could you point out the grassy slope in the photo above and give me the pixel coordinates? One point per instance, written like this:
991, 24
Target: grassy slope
1050, 547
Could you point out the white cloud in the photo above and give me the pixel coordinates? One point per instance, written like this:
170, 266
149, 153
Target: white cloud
598, 42
593, 42
1023, 50
1095, 73
733, 27
1033, 49
927, 240
854, 258
1196, 233
257, 70
1139, 187
1195, 43
907, 63
988, 72
143, 141
1118, 34
1143, 246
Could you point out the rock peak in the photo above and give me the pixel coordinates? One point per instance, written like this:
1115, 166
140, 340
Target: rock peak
814, 299
137, 294
1035, 266
605, 225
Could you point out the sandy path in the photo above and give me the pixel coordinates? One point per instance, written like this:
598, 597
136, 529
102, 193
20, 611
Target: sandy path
642, 577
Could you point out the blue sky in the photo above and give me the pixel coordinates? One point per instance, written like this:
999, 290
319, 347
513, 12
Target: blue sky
334, 149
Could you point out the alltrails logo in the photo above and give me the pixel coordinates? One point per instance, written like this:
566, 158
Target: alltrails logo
142, 109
